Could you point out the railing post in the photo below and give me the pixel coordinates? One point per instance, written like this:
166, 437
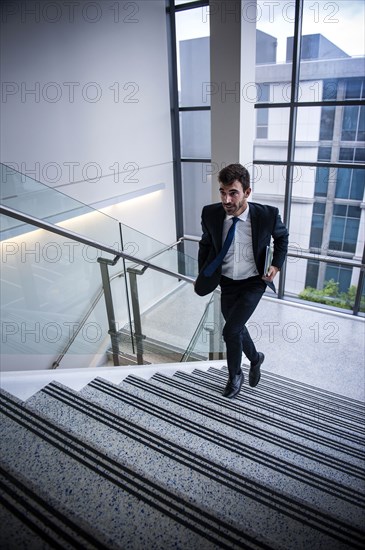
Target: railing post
211, 355
136, 314
114, 337
215, 333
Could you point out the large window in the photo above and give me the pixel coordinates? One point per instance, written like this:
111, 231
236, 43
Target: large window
194, 92
315, 137
309, 151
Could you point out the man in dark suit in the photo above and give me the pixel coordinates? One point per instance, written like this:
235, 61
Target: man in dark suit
232, 254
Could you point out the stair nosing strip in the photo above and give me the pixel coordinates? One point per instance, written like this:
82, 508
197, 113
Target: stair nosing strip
17, 485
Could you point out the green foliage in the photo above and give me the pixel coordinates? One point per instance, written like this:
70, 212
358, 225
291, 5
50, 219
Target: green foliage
331, 296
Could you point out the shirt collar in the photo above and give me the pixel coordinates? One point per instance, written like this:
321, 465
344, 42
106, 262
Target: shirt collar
242, 216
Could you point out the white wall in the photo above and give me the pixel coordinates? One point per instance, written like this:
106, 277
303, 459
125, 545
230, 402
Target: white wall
86, 111
85, 101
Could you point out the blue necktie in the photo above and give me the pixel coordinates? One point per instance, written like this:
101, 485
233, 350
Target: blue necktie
210, 269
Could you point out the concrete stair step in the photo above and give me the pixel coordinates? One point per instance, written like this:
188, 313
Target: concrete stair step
168, 462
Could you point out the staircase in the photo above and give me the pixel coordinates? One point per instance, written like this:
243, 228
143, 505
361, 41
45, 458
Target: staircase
168, 463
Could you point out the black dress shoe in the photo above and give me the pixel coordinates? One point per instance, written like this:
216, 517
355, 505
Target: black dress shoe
227, 389
255, 374
233, 386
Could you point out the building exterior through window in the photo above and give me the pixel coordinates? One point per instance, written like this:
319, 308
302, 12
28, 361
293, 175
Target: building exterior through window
327, 201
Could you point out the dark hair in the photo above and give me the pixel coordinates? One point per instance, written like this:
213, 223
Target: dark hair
234, 172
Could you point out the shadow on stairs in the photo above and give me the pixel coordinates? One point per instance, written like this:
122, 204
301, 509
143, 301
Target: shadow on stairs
169, 463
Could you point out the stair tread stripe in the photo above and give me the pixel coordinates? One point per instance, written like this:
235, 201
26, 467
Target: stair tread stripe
26, 520
164, 414
20, 493
285, 420
332, 401
338, 526
257, 398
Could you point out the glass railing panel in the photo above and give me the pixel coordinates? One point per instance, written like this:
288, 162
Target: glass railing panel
58, 284
160, 298
146, 248
207, 341
23, 193
91, 346
170, 313
178, 262
200, 342
139, 244
47, 286
87, 345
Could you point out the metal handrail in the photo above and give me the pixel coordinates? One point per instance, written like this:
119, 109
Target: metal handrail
307, 255
26, 218
304, 254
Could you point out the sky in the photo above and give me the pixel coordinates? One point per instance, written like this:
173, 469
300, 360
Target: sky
341, 21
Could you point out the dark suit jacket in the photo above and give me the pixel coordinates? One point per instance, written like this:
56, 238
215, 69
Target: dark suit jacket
265, 223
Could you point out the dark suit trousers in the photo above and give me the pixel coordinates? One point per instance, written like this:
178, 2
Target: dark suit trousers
239, 300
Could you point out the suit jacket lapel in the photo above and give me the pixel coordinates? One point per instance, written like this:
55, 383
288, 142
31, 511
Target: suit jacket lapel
254, 229
218, 228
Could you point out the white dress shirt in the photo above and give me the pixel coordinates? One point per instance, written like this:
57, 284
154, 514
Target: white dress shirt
239, 262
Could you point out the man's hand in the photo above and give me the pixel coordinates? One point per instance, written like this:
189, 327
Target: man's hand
269, 276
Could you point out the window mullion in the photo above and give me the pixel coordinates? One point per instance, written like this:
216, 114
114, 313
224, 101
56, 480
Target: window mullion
292, 124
